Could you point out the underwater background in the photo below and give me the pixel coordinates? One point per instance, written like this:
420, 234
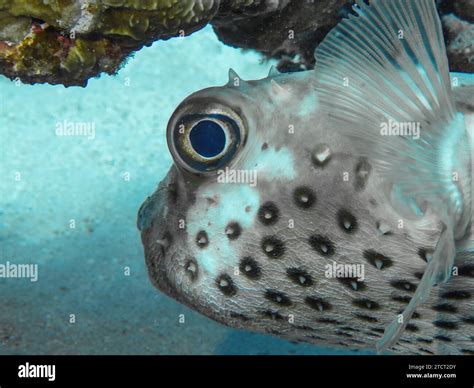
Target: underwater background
96, 269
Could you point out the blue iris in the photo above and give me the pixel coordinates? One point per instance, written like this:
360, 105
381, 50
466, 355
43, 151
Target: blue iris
207, 138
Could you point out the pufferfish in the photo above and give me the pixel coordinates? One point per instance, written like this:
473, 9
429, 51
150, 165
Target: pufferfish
282, 187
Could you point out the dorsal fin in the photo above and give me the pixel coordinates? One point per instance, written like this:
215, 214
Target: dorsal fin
387, 66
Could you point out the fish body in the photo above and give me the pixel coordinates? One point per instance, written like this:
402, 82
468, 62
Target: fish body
291, 226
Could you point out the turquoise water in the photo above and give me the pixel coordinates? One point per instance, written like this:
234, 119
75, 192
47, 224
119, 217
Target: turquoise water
69, 204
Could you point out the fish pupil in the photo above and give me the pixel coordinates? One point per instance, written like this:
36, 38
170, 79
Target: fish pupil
207, 138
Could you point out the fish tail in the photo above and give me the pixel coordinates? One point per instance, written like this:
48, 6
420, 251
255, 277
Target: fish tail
384, 81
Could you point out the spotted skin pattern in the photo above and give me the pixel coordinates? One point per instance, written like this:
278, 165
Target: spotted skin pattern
256, 257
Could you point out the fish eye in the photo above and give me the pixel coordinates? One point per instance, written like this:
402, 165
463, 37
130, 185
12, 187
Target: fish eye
206, 141
207, 138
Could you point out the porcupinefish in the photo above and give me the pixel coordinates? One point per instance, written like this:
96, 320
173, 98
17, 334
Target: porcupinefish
330, 206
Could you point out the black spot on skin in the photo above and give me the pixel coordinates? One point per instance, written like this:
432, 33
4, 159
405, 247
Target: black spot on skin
347, 222
353, 284
378, 330
328, 320
362, 173
318, 304
445, 308
378, 260
366, 318
202, 240
344, 334
239, 316
456, 295
211, 201
403, 285
425, 340
469, 320
273, 315
322, 245
443, 338
233, 231
305, 328
348, 328
415, 315
425, 350
300, 277
411, 327
321, 155
466, 270
401, 298
366, 304
448, 325
418, 275
268, 214
192, 269
383, 233
277, 297
225, 283
273, 247
250, 268
304, 198
424, 253
264, 146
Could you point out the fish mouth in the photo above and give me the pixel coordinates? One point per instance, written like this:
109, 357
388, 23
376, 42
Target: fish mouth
154, 208
163, 258
155, 235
